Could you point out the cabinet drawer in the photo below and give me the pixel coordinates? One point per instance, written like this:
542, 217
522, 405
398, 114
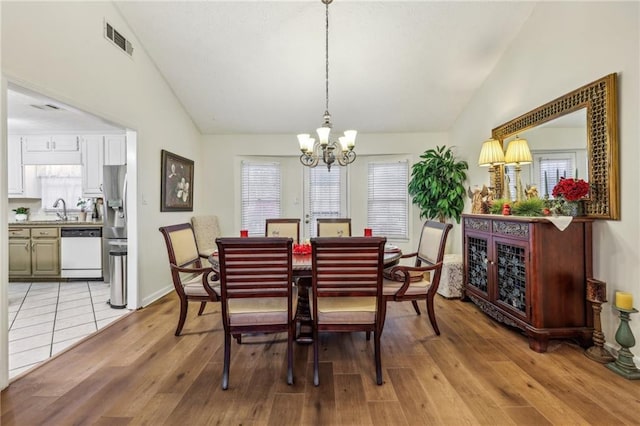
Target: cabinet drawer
19, 233
45, 232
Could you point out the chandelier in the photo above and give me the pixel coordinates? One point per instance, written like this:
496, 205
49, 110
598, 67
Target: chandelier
331, 151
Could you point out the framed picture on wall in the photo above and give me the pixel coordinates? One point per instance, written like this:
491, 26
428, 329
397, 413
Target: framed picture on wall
176, 185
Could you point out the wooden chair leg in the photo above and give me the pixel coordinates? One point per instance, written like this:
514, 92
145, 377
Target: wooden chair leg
227, 358
432, 315
183, 315
368, 333
415, 306
201, 310
290, 334
376, 340
316, 373
238, 338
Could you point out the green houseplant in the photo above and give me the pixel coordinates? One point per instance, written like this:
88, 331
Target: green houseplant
437, 184
22, 213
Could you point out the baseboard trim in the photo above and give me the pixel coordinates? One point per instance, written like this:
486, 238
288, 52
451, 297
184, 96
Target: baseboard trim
157, 295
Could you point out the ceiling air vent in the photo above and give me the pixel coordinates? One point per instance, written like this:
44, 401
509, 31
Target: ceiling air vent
118, 39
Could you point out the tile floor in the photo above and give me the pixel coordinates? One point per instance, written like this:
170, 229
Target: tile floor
45, 318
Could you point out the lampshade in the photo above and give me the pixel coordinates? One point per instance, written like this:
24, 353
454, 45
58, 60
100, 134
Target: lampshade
491, 153
518, 152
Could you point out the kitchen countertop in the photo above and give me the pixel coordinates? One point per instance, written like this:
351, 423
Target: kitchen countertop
54, 223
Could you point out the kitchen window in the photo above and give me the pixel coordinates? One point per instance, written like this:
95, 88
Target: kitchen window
60, 181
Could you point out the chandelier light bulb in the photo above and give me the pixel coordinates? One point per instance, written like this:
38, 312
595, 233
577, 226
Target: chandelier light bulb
323, 135
351, 138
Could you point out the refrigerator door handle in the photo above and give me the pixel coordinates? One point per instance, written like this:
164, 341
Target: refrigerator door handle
124, 198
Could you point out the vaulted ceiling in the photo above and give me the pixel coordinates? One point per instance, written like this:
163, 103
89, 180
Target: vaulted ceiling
259, 66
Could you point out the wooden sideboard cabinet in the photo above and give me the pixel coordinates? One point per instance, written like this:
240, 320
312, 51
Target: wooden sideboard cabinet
526, 273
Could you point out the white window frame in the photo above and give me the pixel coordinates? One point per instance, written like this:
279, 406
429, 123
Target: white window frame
252, 218
310, 224
400, 187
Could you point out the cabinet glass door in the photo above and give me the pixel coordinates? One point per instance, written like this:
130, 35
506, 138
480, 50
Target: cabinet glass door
511, 260
477, 262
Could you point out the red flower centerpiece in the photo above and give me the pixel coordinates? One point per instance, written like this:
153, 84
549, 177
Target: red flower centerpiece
301, 248
571, 189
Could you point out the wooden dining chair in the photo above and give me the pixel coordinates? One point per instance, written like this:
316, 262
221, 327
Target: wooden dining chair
334, 227
192, 281
257, 295
411, 283
287, 228
347, 290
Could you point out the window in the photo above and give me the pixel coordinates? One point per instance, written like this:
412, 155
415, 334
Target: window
325, 195
58, 181
260, 194
388, 199
549, 167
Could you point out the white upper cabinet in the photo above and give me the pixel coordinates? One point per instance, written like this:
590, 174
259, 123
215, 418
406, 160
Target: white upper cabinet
58, 149
14, 166
115, 150
92, 162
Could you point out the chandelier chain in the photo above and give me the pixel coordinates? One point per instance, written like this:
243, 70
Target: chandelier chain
326, 56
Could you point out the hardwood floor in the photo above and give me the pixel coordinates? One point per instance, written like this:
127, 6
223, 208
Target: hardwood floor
477, 372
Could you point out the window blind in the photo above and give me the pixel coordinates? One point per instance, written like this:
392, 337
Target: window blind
325, 192
260, 195
388, 199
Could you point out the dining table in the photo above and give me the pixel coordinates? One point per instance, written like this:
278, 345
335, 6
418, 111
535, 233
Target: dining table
302, 273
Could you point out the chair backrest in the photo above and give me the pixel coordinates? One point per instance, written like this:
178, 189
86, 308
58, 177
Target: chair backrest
255, 267
182, 249
206, 229
349, 266
286, 228
340, 227
433, 240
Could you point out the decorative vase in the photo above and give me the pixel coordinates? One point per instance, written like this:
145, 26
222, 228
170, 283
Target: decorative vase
82, 216
575, 208
21, 217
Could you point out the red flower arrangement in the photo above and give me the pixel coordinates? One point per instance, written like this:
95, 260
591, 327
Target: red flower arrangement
302, 249
570, 189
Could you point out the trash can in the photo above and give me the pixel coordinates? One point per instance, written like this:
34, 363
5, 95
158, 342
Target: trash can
118, 271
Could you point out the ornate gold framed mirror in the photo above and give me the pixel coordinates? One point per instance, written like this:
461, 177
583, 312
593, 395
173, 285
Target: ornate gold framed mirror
599, 98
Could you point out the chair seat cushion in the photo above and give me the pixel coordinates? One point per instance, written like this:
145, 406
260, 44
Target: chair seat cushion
390, 287
192, 285
346, 310
414, 276
264, 310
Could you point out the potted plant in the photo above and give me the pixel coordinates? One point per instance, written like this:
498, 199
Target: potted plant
437, 184
569, 194
82, 203
22, 213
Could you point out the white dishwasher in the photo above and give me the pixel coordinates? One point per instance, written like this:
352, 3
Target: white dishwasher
81, 252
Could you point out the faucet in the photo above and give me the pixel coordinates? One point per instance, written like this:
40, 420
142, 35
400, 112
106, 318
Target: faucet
62, 216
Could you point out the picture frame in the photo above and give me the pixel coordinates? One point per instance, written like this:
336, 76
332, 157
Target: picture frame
176, 183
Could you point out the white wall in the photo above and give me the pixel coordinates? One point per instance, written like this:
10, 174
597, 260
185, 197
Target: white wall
563, 46
58, 49
223, 153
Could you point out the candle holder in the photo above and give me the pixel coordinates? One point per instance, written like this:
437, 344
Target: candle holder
596, 294
624, 364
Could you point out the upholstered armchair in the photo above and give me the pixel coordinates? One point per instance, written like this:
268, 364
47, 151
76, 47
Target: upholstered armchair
206, 229
412, 283
192, 281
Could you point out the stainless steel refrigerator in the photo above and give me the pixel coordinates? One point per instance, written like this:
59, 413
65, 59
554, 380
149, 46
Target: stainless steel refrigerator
114, 233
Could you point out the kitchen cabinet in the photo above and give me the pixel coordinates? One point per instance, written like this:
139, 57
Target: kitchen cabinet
57, 149
34, 252
92, 162
98, 151
115, 150
528, 274
58, 143
14, 166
